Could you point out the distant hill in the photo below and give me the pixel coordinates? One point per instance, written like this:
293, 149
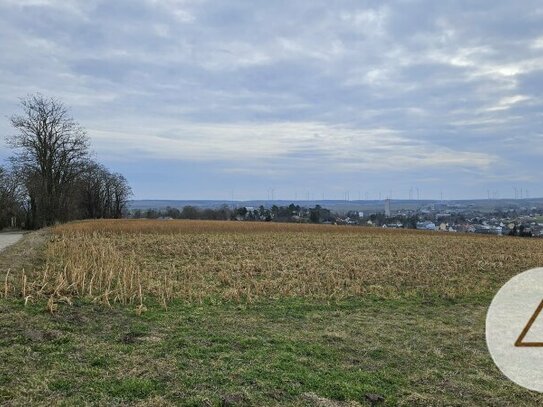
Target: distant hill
340, 205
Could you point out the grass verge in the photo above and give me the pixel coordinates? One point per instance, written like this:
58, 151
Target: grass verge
290, 352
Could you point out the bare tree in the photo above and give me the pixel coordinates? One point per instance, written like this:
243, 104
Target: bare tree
55, 178
11, 200
103, 194
93, 191
51, 150
121, 193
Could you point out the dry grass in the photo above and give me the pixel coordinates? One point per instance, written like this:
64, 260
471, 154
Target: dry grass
129, 261
144, 226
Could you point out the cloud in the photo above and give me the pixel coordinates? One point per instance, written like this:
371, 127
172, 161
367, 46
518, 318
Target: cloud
268, 88
508, 102
336, 148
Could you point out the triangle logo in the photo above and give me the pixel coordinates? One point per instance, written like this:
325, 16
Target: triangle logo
520, 340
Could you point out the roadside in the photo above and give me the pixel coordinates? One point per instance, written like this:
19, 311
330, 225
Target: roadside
21, 250
9, 238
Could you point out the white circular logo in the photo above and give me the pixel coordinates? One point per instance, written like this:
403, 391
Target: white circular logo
514, 329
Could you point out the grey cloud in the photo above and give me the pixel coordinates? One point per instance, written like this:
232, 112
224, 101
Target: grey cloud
459, 82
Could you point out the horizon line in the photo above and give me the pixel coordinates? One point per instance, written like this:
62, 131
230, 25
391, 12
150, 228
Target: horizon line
337, 200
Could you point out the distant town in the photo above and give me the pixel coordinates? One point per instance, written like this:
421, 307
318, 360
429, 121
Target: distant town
492, 217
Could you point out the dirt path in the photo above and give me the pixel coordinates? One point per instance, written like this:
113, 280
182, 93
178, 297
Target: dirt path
9, 238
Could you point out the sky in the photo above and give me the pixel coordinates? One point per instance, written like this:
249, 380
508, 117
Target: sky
196, 99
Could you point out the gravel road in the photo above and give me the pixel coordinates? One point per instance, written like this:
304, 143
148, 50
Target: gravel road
8, 238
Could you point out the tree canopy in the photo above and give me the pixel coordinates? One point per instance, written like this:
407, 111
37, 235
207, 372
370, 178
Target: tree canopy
52, 177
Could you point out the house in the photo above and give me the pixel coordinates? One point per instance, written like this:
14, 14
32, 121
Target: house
396, 225
488, 230
427, 225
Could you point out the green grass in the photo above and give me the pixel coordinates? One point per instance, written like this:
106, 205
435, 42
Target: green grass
270, 353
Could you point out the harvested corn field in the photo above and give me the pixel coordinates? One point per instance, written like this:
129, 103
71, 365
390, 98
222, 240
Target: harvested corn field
129, 261
236, 313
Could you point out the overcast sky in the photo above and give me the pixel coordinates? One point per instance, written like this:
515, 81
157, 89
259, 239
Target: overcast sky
209, 99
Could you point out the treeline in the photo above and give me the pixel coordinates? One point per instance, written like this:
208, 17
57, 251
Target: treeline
51, 176
291, 213
187, 212
521, 231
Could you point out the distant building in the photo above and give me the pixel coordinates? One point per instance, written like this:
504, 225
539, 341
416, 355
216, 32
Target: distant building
427, 225
488, 230
387, 208
397, 225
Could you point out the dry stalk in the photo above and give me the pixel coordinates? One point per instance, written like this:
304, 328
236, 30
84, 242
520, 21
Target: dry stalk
6, 284
125, 261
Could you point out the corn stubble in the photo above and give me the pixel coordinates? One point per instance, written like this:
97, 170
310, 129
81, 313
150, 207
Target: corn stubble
129, 261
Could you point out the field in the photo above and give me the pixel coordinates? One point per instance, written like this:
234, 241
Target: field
226, 313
